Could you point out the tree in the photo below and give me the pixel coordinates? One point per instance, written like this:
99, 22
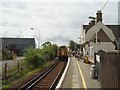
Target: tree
36, 57
55, 47
50, 50
72, 45
46, 44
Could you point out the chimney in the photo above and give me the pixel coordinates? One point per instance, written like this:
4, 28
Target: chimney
99, 16
93, 22
90, 25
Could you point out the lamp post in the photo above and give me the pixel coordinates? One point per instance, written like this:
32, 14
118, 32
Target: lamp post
38, 36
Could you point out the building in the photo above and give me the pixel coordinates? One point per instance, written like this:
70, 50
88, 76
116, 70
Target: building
99, 36
18, 45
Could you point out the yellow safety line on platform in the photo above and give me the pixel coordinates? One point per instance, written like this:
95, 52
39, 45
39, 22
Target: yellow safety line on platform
83, 79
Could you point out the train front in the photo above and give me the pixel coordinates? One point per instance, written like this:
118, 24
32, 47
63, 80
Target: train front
63, 53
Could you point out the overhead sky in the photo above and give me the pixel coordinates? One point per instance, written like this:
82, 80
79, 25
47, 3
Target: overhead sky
58, 21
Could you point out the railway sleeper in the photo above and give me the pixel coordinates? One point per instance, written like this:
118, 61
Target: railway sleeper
44, 83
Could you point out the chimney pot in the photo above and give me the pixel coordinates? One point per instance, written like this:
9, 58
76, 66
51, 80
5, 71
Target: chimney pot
93, 22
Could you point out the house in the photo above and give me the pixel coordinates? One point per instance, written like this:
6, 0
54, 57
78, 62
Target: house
99, 36
18, 45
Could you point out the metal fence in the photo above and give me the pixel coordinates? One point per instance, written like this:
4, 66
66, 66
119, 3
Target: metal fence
108, 70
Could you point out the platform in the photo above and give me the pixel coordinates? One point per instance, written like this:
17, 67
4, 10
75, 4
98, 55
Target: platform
78, 75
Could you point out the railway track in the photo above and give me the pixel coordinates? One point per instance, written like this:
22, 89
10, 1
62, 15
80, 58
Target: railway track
48, 79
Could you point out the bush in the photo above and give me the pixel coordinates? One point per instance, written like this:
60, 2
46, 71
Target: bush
33, 57
36, 57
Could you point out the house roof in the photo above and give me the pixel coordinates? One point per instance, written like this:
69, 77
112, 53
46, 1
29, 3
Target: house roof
17, 40
115, 29
86, 27
96, 28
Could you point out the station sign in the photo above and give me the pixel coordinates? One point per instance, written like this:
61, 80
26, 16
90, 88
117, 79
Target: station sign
98, 58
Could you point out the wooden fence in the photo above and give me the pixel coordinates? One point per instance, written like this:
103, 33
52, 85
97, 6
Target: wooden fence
11, 69
108, 70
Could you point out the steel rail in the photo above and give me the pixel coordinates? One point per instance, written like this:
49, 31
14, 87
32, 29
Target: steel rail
53, 86
32, 82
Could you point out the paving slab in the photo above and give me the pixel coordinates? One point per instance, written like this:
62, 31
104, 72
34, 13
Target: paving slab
74, 79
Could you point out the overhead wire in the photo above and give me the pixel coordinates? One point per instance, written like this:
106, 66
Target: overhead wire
104, 5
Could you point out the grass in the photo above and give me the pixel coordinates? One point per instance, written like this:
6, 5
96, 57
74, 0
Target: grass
25, 73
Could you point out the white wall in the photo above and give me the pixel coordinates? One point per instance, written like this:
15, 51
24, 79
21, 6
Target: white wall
91, 54
106, 46
82, 36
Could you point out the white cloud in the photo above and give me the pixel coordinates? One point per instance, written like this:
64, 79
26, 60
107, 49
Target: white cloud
58, 21
57, 0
